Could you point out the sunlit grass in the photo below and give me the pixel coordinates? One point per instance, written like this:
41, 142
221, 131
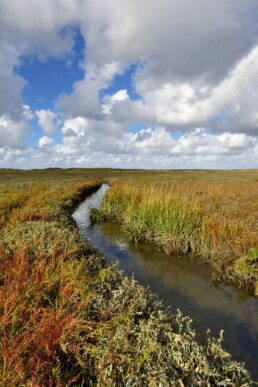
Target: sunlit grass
213, 221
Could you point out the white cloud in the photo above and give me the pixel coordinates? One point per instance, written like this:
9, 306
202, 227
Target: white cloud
34, 25
178, 38
197, 142
83, 137
186, 105
156, 142
74, 129
46, 121
119, 96
189, 75
27, 113
45, 141
149, 148
84, 101
110, 101
12, 132
11, 102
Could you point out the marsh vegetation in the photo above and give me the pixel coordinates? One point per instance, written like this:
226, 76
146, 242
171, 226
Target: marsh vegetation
215, 222
67, 318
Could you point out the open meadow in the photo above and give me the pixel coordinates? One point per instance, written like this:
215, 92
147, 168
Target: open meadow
67, 318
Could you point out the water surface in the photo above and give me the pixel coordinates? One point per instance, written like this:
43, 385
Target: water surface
181, 283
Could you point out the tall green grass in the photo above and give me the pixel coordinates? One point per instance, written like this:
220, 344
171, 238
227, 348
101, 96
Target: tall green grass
215, 222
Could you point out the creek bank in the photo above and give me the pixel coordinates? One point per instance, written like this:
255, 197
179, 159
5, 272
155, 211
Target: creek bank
181, 222
181, 283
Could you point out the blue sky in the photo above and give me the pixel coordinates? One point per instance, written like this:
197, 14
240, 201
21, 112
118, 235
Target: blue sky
123, 81
47, 79
109, 84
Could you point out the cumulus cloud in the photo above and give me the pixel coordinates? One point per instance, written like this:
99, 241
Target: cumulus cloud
197, 142
75, 127
82, 137
110, 101
229, 106
47, 120
196, 64
12, 132
178, 40
35, 26
27, 113
11, 102
84, 101
45, 141
186, 105
149, 148
10, 157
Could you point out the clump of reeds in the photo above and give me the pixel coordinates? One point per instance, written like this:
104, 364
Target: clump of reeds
215, 222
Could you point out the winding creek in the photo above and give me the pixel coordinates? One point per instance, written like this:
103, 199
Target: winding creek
181, 283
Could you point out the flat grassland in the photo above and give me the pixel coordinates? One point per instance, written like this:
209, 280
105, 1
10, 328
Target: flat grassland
67, 318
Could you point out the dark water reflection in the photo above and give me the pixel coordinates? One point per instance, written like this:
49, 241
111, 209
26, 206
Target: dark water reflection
181, 283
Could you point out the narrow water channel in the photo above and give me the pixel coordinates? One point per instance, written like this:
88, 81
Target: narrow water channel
181, 283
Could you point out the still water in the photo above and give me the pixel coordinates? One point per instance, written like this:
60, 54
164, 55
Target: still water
181, 283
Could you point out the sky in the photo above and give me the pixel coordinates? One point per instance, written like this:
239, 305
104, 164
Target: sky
164, 84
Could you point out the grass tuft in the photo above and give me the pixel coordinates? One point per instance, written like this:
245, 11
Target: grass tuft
215, 222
